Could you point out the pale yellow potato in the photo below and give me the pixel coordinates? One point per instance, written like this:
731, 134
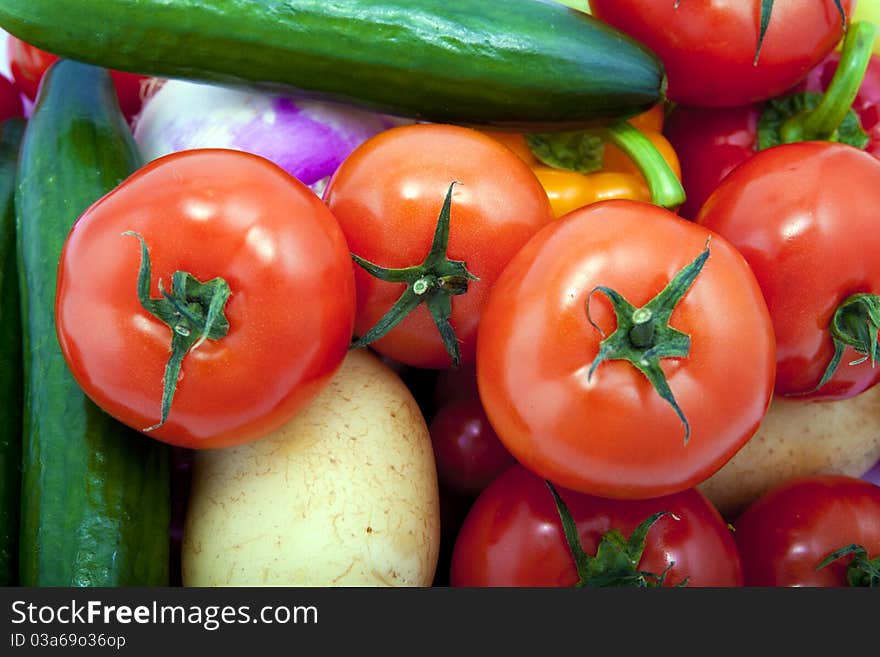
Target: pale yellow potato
799, 437
344, 495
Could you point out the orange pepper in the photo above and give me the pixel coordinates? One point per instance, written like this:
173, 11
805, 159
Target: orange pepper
619, 178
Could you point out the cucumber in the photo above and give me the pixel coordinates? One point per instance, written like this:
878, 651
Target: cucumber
11, 132
95, 494
518, 64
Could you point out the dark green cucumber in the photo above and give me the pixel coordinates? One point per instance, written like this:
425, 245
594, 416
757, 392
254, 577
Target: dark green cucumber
96, 495
11, 132
533, 65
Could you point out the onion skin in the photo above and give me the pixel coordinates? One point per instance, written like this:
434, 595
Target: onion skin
308, 139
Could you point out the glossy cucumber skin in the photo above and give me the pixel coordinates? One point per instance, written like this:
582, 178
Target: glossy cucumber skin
11, 132
96, 494
516, 64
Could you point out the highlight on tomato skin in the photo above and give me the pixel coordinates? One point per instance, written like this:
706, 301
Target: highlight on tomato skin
786, 535
217, 215
513, 536
602, 427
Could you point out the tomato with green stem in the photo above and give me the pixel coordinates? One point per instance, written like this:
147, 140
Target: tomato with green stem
723, 53
625, 352
432, 214
811, 239
819, 530
206, 299
522, 531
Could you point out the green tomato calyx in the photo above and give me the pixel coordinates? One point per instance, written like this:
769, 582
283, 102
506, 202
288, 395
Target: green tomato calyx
861, 570
433, 282
643, 335
192, 310
616, 562
855, 324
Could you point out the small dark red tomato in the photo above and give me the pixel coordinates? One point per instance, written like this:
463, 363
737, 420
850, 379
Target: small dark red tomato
785, 535
513, 536
468, 453
10, 100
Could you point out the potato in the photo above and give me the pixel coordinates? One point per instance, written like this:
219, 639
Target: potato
799, 437
345, 494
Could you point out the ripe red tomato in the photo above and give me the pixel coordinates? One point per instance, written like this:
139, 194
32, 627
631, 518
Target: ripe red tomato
794, 213
785, 535
10, 100
513, 536
28, 64
388, 195
611, 434
466, 449
212, 213
708, 46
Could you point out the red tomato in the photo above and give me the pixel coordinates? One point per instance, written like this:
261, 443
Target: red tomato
611, 434
213, 213
10, 100
387, 196
794, 213
709, 46
513, 536
28, 64
788, 532
466, 449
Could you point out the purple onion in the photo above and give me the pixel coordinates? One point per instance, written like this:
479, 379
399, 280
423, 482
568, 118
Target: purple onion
308, 139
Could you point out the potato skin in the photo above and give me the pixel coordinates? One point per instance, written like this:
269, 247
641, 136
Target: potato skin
345, 494
799, 437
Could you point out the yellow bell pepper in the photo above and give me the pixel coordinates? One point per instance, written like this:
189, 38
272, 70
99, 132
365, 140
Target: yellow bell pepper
619, 178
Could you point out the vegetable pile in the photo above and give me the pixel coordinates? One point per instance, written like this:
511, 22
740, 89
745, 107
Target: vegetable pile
425, 293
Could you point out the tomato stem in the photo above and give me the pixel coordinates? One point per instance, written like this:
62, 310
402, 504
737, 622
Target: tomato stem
823, 122
616, 562
856, 324
666, 188
861, 571
643, 335
192, 310
433, 282
642, 332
